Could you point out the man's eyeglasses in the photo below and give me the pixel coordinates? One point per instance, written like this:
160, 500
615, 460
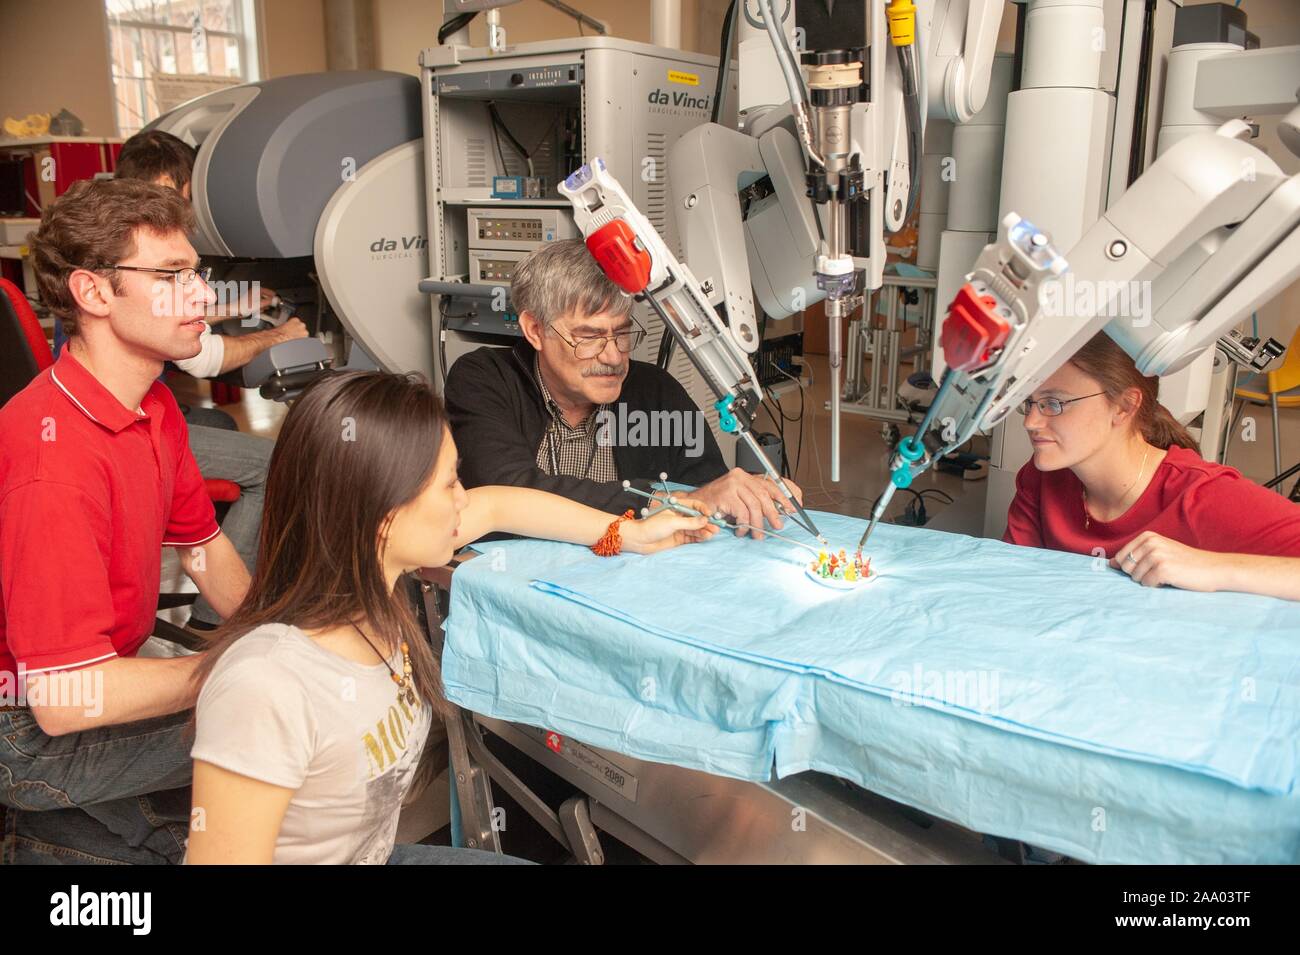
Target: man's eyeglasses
625, 341
1051, 407
184, 276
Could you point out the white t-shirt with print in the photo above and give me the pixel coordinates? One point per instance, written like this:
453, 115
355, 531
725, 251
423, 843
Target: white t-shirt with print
280, 708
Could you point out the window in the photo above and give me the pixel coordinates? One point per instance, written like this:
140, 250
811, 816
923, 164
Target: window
184, 38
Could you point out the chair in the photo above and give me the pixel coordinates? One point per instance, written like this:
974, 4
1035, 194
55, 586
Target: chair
1279, 388
24, 354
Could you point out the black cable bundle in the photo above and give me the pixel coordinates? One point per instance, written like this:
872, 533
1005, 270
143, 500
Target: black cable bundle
724, 61
456, 23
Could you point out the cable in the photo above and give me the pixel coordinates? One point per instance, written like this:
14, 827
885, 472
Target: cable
948, 498
724, 62
456, 23
547, 135
780, 427
906, 36
784, 418
495, 115
914, 514
518, 146
800, 104
781, 409
922, 75
789, 70
912, 109
798, 457
798, 453
496, 141
792, 419
441, 332
794, 82
1232, 426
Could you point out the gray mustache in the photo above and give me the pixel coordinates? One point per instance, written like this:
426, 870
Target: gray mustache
603, 370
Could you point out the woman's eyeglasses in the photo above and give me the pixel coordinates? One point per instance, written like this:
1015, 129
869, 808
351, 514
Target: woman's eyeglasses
184, 276
1051, 407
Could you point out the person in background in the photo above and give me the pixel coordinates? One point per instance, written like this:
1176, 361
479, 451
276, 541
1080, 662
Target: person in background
1113, 472
318, 698
158, 157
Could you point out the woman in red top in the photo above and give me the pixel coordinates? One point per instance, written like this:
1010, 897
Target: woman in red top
1115, 475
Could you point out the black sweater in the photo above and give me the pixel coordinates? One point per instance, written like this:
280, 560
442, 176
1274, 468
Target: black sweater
498, 419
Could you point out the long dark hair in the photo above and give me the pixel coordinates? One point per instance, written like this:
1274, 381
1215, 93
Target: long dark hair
1103, 359
355, 447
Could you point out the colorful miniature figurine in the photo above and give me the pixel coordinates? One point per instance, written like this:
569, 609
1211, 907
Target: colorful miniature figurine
840, 567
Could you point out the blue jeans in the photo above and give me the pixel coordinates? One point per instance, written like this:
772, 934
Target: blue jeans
419, 854
116, 794
242, 458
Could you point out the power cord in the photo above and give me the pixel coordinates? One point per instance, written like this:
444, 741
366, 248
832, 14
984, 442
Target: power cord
798, 457
915, 514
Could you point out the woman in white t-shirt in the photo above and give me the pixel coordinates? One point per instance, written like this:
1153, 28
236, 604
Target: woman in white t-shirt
316, 701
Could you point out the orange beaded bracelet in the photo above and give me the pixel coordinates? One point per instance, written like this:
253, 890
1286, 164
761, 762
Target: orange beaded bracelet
612, 543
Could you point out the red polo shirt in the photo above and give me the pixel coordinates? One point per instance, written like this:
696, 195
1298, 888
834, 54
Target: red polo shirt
90, 493
1195, 502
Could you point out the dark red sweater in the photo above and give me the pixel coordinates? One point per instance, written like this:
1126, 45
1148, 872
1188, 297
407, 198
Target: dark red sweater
1195, 502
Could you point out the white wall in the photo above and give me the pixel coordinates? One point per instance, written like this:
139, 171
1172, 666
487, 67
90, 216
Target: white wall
55, 57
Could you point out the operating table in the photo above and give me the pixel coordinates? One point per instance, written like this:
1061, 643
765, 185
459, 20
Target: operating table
1034, 696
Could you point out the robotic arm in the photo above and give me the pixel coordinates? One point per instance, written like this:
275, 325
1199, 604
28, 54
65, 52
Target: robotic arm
965, 38
631, 253
1210, 231
813, 185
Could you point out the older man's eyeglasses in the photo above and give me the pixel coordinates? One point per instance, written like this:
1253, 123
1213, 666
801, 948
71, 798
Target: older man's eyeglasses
184, 276
625, 341
1049, 406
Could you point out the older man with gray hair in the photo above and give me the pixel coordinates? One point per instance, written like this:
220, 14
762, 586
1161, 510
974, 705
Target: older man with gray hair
567, 411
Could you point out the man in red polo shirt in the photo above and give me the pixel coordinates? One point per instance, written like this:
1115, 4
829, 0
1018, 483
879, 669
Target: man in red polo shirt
96, 478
